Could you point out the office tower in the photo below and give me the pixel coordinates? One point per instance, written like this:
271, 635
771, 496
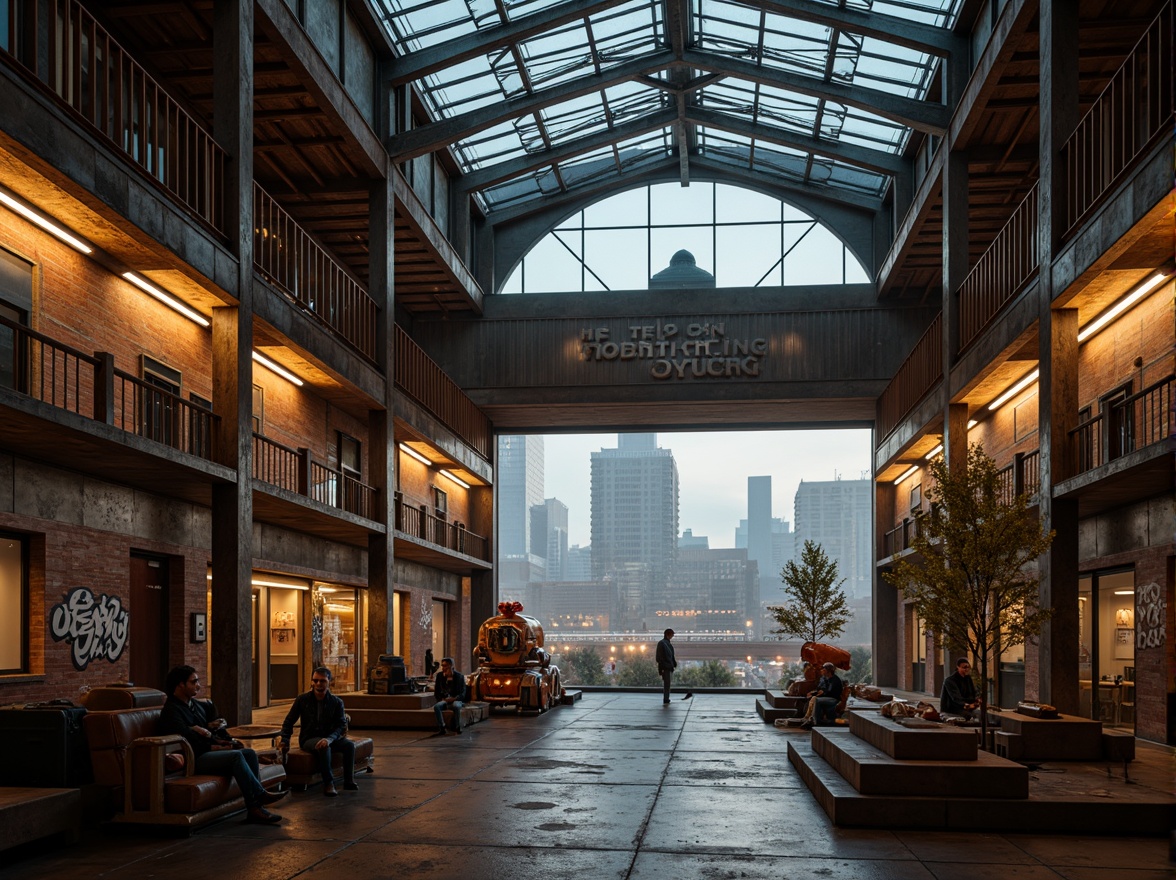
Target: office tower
549, 537
579, 567
714, 591
520, 490
689, 539
837, 515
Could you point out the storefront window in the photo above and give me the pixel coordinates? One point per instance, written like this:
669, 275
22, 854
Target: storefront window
13, 605
1106, 646
341, 636
440, 629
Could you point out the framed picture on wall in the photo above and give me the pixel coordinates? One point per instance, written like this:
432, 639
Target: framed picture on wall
1124, 643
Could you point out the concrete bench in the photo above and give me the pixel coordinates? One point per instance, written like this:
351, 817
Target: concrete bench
938, 743
28, 814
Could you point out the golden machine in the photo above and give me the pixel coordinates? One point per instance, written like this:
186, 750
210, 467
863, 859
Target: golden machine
513, 669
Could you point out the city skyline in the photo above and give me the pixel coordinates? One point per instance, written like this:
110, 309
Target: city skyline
713, 480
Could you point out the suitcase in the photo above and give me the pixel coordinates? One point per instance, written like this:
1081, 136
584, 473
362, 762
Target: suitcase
44, 746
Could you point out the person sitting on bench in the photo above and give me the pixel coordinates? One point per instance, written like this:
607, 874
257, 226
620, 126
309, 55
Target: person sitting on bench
958, 696
828, 697
322, 731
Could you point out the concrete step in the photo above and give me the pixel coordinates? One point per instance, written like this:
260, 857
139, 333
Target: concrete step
780, 700
570, 696
770, 713
939, 743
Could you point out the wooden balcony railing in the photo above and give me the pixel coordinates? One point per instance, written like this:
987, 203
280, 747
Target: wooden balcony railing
899, 538
1021, 476
917, 375
61, 45
1005, 268
295, 470
294, 262
89, 385
421, 379
416, 520
1136, 108
1135, 422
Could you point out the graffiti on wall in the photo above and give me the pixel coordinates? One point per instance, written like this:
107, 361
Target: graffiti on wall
1149, 618
94, 626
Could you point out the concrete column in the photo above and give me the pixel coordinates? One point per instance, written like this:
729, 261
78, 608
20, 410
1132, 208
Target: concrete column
1051, 675
381, 430
884, 601
230, 645
955, 255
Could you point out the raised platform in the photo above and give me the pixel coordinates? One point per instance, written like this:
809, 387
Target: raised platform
907, 742
1065, 738
28, 814
404, 711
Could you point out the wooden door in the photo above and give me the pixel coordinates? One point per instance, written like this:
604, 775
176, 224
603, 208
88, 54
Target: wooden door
147, 638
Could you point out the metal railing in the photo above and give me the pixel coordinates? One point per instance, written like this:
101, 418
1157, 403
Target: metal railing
421, 379
1003, 271
83, 67
294, 262
1135, 422
89, 385
416, 520
296, 470
1136, 107
917, 375
1021, 476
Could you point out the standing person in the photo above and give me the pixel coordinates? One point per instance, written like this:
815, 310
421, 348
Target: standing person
322, 730
666, 664
958, 696
828, 694
450, 692
216, 755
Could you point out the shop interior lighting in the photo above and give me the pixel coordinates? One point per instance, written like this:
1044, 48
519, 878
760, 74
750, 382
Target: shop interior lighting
934, 452
281, 371
1124, 592
912, 469
167, 299
450, 476
258, 582
1016, 389
412, 453
1121, 306
45, 223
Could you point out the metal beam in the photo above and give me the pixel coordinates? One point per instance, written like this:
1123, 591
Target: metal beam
437, 135
912, 35
851, 154
492, 174
919, 115
451, 52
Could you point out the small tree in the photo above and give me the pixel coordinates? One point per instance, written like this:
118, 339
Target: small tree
637, 672
861, 670
709, 673
819, 608
973, 585
582, 666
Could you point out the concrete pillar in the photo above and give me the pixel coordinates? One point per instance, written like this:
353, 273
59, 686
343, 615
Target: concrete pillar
230, 644
884, 602
955, 254
1052, 673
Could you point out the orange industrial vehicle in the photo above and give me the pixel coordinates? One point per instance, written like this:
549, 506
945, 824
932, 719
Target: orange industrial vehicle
513, 668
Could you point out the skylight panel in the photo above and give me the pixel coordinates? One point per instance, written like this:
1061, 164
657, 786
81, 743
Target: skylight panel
868, 130
414, 26
893, 69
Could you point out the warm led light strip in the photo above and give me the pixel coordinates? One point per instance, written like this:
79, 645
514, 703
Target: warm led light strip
934, 452
1020, 386
450, 476
46, 224
281, 371
169, 301
412, 453
1120, 307
913, 469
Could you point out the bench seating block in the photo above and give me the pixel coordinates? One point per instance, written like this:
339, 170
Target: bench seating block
28, 814
302, 769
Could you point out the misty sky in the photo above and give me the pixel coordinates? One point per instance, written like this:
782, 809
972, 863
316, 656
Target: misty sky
712, 471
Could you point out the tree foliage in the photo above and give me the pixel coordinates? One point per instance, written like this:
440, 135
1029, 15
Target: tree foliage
861, 670
582, 666
790, 673
817, 609
972, 578
637, 672
708, 674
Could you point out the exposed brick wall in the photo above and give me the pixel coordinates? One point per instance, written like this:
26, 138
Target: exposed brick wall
1107, 360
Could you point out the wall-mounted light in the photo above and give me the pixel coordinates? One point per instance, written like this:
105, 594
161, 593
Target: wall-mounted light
911, 470
972, 423
281, 371
1124, 592
167, 299
412, 453
1125, 617
45, 223
450, 476
1016, 389
934, 452
1121, 306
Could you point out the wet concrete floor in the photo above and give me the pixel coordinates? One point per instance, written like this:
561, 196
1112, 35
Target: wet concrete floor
615, 786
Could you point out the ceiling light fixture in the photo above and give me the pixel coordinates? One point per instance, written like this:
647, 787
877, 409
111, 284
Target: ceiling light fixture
1020, 386
1121, 306
412, 453
45, 223
912, 469
168, 300
281, 371
450, 476
934, 452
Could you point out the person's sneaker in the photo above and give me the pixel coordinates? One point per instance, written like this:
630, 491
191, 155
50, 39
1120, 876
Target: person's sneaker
665, 702
351, 786
262, 816
329, 790
440, 732
688, 696
272, 797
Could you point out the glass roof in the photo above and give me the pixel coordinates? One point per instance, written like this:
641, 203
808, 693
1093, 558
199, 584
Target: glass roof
788, 97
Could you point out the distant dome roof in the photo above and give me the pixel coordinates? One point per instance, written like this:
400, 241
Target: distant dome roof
682, 272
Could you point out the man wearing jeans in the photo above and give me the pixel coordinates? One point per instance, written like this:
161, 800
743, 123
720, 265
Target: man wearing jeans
322, 731
216, 754
450, 690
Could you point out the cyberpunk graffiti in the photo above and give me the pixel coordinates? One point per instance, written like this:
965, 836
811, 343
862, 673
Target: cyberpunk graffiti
95, 627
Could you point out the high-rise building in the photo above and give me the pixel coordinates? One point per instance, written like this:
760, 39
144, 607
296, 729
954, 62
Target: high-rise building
579, 567
712, 591
837, 515
635, 511
520, 490
549, 537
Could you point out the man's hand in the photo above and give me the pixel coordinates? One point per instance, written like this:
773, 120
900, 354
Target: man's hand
284, 746
322, 744
202, 731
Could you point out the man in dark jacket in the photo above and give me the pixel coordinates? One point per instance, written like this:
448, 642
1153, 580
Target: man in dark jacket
216, 754
958, 696
828, 694
322, 730
450, 692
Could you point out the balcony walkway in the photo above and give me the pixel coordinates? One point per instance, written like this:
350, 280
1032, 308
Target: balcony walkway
616, 786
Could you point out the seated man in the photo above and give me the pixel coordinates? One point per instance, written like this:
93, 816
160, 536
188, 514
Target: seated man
322, 730
450, 691
828, 696
216, 754
958, 696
